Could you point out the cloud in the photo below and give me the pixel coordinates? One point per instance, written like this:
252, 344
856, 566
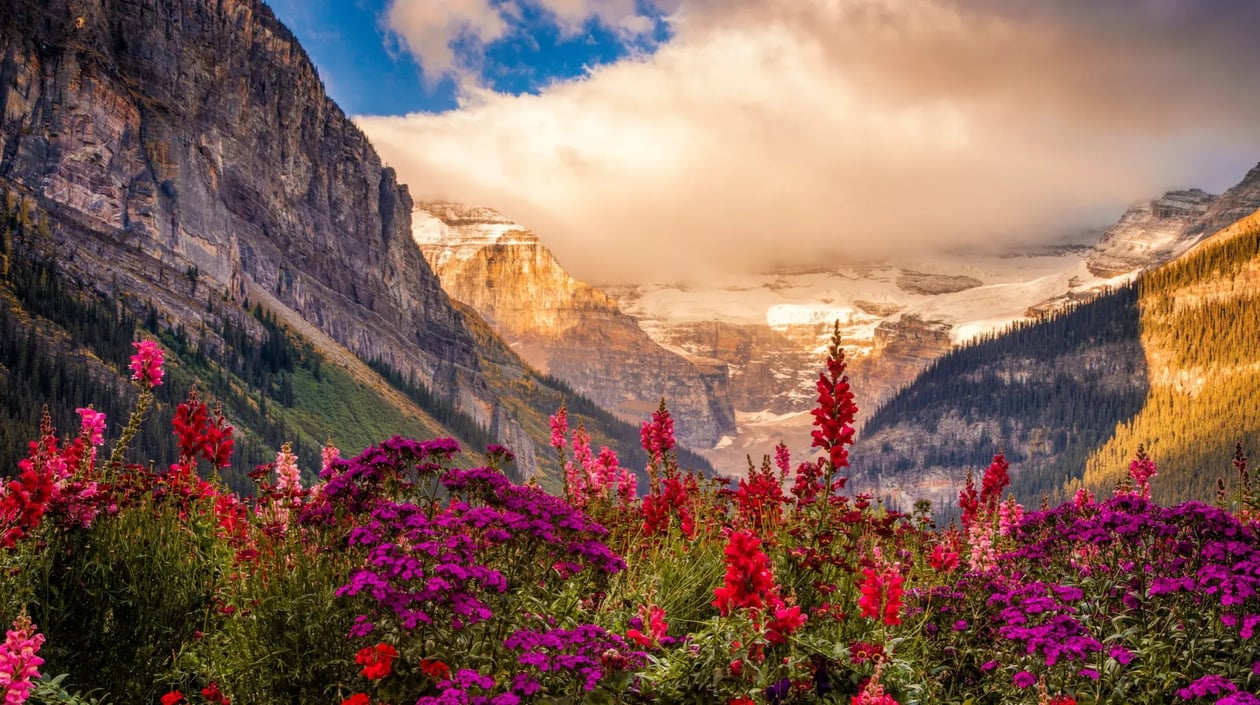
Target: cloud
447, 37
795, 131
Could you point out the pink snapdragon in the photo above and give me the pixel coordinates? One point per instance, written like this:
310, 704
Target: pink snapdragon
92, 425
288, 476
983, 555
559, 428
1010, 513
783, 460
19, 661
146, 364
328, 456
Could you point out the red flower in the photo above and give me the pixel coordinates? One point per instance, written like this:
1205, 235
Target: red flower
172, 697
639, 638
943, 560
214, 695
357, 699
996, 478
784, 623
377, 661
748, 578
1062, 700
882, 589
435, 669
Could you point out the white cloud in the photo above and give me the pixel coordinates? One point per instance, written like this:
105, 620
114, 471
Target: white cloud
431, 29
794, 130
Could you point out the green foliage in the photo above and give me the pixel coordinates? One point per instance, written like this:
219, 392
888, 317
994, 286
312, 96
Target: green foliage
117, 602
285, 642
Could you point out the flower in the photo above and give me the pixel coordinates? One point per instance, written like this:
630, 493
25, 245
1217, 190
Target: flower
377, 661
748, 576
146, 364
943, 559
19, 662
357, 699
1024, 679
214, 695
1142, 469
1207, 685
93, 425
882, 588
784, 623
435, 669
559, 427
172, 697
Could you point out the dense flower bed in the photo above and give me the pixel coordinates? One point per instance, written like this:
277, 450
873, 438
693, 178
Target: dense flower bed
397, 578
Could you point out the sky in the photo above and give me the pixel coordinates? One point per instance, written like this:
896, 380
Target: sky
672, 140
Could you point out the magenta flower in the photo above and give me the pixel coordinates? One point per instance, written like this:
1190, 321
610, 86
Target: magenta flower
19, 662
146, 364
1207, 685
93, 425
559, 427
1024, 679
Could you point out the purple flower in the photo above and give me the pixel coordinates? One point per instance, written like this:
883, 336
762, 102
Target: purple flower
988, 666
1024, 679
1207, 685
1122, 655
1239, 698
1088, 673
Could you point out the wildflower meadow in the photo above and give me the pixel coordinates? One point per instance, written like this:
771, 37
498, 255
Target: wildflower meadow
399, 578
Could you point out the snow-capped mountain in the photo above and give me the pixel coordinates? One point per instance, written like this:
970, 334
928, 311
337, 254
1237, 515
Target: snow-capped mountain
771, 329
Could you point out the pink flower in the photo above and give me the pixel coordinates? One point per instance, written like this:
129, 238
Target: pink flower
1142, 469
93, 425
288, 477
559, 427
19, 663
328, 455
146, 364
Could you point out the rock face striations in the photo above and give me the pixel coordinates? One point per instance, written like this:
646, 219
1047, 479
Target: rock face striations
1151, 232
564, 327
194, 136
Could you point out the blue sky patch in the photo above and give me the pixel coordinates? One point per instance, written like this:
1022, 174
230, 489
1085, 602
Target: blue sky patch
368, 72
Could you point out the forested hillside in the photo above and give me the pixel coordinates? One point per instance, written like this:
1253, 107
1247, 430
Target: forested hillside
1201, 334
1045, 392
1171, 362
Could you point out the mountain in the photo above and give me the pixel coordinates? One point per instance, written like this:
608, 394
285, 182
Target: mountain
771, 328
1168, 361
177, 167
897, 317
567, 328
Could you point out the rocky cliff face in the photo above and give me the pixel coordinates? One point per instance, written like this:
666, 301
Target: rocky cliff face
195, 137
1151, 232
565, 327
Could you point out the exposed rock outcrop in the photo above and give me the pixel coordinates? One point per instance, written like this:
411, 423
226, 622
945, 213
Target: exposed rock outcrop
1151, 233
565, 327
190, 135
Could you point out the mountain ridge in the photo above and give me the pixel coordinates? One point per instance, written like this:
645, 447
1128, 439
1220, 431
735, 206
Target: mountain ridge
565, 327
